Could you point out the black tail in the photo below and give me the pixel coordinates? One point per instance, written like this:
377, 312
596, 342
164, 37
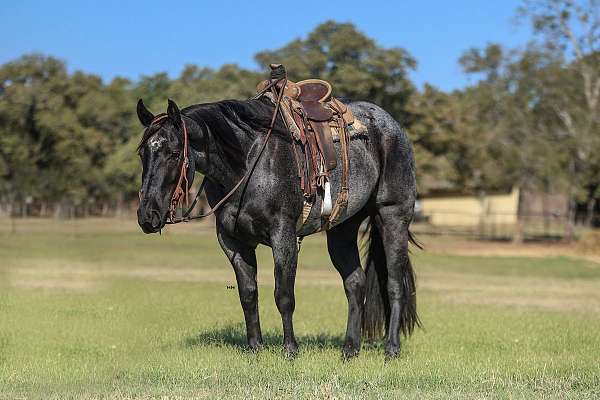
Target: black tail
376, 316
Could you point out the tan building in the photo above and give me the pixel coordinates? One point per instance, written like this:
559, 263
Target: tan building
520, 212
471, 211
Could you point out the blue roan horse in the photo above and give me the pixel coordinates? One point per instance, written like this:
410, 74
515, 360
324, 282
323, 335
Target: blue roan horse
224, 140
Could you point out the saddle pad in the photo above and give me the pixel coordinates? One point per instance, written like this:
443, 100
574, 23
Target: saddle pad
287, 114
356, 129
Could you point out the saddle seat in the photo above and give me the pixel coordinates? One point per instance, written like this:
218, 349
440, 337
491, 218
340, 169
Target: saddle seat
314, 95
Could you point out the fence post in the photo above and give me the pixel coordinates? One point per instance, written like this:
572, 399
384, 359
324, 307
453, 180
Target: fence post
519, 227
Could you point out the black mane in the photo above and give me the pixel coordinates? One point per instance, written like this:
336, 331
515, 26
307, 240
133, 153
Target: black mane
225, 119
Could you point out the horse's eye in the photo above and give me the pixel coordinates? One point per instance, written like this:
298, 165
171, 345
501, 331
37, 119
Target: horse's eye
176, 154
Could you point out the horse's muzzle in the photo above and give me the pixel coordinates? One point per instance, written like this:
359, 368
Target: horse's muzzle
150, 220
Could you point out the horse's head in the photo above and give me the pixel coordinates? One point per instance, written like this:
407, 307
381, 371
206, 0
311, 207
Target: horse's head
162, 151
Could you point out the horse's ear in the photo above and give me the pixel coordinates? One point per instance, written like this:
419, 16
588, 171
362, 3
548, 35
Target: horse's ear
174, 113
144, 114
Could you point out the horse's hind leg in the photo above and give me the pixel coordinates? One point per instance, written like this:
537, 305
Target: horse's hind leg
343, 250
243, 260
393, 225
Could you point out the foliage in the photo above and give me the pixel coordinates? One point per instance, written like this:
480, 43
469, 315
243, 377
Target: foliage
57, 130
568, 31
68, 139
530, 119
356, 66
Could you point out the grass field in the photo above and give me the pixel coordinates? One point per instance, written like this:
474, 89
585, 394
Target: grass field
86, 312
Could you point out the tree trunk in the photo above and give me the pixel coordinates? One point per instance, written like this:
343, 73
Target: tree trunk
120, 205
589, 213
58, 209
570, 223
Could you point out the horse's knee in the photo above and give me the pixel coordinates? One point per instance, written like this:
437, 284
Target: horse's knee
249, 296
285, 300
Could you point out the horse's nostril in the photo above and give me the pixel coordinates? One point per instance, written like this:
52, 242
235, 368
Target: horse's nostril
155, 220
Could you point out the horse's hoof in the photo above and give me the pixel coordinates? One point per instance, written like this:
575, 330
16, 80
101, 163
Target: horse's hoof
349, 351
290, 350
392, 352
255, 347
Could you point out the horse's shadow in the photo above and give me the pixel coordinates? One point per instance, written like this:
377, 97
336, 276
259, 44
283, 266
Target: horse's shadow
235, 335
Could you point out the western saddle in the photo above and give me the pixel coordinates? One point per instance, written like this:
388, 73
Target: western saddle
314, 118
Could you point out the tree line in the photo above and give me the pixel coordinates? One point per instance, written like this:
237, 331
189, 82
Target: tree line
531, 119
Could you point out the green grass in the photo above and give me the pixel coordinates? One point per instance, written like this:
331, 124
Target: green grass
123, 315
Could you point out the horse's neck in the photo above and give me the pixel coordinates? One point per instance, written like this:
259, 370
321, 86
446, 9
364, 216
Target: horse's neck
210, 161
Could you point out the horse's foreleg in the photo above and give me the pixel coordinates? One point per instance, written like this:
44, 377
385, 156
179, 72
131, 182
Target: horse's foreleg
285, 255
243, 260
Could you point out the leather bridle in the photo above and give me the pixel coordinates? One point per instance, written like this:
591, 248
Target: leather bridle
182, 191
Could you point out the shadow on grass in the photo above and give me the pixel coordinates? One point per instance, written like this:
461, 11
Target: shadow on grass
235, 335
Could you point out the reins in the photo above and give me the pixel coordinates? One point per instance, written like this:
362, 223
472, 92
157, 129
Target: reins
180, 192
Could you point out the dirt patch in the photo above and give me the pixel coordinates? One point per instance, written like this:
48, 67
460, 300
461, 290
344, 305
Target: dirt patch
466, 247
92, 225
54, 276
544, 293
61, 276
54, 284
589, 243
452, 287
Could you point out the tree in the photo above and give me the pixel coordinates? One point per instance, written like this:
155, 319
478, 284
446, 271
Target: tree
355, 65
26, 87
56, 133
571, 29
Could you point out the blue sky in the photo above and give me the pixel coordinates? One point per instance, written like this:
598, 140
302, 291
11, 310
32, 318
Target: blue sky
121, 38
